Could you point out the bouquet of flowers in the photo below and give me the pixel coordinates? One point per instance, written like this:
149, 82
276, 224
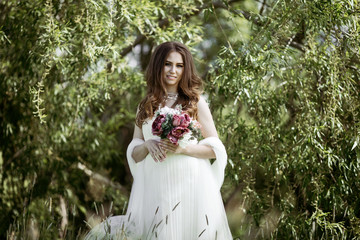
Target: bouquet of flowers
174, 124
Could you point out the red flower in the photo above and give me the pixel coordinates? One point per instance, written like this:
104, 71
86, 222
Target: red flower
185, 120
178, 132
172, 138
156, 126
176, 120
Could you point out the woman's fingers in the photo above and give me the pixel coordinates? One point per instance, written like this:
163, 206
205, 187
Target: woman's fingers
161, 149
161, 153
158, 149
154, 156
157, 157
158, 153
166, 144
171, 149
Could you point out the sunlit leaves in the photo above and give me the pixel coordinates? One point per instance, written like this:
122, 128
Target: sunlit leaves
284, 92
289, 117
65, 64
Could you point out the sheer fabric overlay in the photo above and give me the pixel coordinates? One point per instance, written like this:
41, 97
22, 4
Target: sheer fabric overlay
177, 199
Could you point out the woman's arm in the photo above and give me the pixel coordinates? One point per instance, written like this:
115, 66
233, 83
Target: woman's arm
207, 130
152, 146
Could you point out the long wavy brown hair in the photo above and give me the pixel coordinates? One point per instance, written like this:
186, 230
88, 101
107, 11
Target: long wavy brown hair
189, 88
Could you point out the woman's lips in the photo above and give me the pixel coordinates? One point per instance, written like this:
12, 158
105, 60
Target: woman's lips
171, 77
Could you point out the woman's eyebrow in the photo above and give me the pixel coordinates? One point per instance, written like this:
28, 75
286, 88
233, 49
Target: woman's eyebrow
167, 61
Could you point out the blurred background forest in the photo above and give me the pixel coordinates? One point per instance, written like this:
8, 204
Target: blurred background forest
282, 79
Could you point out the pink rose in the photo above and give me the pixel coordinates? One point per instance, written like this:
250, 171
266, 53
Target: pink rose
172, 138
178, 132
156, 126
176, 120
185, 120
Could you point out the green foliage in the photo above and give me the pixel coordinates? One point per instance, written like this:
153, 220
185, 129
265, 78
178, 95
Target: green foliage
69, 100
289, 116
282, 78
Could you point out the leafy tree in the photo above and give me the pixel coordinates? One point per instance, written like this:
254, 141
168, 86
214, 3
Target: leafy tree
282, 78
288, 109
69, 99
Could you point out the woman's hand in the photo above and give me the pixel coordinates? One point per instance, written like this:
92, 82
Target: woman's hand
155, 150
170, 147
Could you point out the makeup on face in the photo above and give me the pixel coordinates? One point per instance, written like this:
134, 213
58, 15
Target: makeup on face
173, 70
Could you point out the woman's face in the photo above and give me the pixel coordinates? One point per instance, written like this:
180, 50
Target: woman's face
173, 70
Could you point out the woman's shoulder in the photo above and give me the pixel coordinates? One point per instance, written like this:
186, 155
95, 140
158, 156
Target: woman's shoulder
203, 108
202, 103
205, 119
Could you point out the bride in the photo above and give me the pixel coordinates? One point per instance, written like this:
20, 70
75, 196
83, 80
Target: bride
176, 189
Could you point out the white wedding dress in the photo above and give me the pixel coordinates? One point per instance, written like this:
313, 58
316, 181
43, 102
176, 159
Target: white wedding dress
177, 199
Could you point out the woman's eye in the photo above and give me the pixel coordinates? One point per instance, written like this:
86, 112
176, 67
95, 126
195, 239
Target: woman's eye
167, 64
180, 66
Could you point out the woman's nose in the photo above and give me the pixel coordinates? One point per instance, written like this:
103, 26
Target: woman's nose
172, 69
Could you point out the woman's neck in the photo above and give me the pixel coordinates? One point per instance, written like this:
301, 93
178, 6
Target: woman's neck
171, 89
170, 99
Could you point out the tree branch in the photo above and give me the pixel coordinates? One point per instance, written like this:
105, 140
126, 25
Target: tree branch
297, 45
101, 178
165, 22
248, 16
233, 194
262, 7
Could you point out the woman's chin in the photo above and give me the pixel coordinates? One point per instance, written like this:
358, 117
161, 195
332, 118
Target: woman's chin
171, 83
